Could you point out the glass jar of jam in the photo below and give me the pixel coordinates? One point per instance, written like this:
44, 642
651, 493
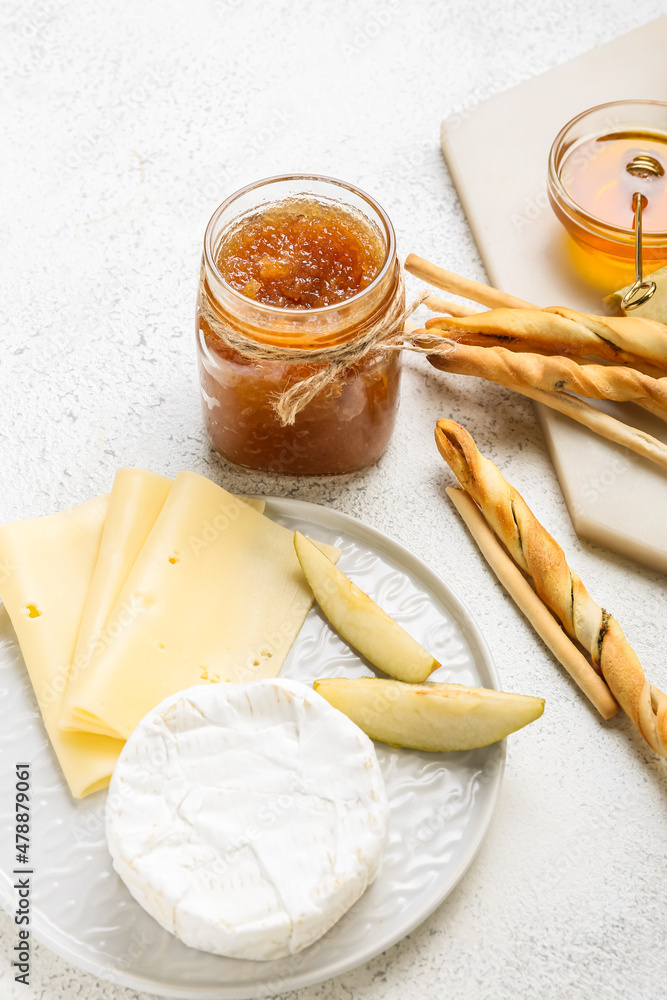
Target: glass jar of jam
597, 163
301, 262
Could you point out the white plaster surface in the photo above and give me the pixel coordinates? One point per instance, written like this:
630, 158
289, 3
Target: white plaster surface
125, 124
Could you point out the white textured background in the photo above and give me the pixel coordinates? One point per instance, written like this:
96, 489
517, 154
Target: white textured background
125, 124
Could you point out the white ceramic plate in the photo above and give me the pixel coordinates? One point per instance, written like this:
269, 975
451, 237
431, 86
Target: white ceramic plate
441, 804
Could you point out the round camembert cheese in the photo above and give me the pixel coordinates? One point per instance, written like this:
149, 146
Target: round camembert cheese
247, 818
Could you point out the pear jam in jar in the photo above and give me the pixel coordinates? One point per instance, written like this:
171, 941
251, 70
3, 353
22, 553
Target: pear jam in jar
306, 263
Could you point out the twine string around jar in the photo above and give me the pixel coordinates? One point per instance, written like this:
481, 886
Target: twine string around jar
387, 334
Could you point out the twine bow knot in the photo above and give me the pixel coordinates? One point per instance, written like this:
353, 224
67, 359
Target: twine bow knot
386, 334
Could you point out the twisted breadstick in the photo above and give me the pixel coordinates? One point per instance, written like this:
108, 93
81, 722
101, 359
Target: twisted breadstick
448, 306
527, 601
601, 423
456, 284
539, 371
540, 556
627, 339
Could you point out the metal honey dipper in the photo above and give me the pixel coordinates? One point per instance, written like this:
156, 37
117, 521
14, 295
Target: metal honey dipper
641, 291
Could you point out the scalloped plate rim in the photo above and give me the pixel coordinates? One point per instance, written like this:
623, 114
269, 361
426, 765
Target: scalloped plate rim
327, 517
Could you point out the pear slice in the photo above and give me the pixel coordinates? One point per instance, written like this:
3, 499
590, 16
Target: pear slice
655, 308
360, 621
429, 716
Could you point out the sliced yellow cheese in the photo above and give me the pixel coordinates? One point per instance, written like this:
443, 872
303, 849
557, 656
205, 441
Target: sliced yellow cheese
136, 499
216, 594
257, 503
48, 565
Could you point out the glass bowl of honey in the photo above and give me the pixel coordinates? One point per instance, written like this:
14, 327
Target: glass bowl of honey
600, 163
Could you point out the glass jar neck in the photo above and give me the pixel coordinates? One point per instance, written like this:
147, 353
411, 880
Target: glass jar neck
301, 328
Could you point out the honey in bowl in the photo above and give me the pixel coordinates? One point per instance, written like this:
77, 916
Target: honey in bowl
299, 263
598, 163
606, 172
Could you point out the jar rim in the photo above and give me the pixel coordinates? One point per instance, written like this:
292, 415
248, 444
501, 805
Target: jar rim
270, 310
560, 194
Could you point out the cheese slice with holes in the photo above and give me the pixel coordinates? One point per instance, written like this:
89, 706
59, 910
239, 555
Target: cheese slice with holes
216, 594
136, 499
46, 567
247, 818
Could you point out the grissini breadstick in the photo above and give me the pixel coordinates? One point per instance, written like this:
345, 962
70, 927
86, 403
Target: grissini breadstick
520, 325
455, 284
448, 306
583, 413
639, 365
541, 331
539, 371
644, 338
623, 339
653, 408
600, 423
532, 607
540, 556
609, 337
605, 336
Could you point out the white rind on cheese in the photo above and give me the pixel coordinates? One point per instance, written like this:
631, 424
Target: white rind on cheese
247, 819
